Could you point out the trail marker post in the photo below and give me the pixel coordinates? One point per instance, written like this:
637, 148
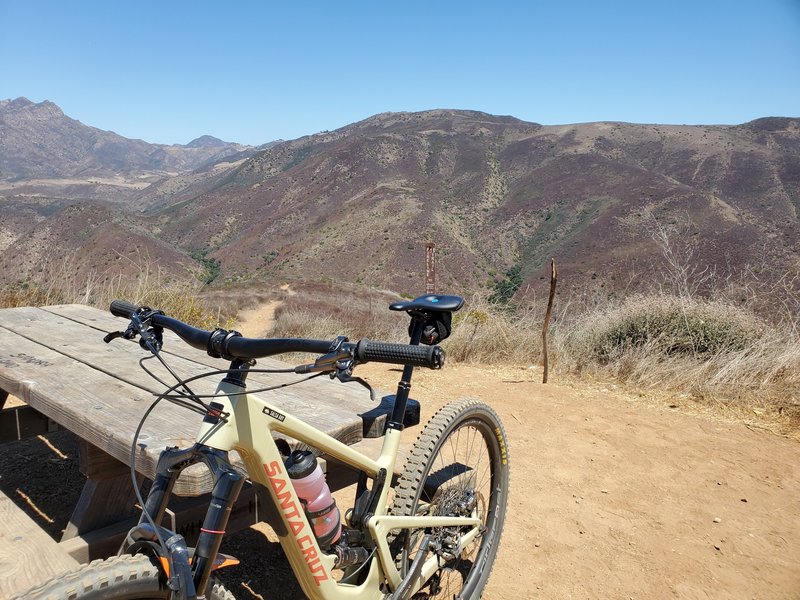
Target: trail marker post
430, 268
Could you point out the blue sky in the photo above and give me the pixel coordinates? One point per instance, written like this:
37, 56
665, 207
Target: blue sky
253, 72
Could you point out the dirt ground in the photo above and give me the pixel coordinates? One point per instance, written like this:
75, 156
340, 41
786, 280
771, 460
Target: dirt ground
613, 495
258, 320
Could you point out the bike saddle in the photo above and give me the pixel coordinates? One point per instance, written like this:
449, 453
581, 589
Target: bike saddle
430, 303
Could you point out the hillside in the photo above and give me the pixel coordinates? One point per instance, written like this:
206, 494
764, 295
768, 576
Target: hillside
48, 159
49, 162
88, 242
496, 195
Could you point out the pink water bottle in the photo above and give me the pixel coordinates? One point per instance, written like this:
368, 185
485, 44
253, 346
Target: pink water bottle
314, 493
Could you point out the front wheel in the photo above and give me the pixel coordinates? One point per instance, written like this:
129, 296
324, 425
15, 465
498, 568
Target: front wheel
458, 467
124, 577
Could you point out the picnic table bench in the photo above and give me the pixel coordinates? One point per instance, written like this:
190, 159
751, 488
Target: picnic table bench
53, 358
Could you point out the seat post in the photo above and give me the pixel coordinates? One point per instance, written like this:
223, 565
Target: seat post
404, 386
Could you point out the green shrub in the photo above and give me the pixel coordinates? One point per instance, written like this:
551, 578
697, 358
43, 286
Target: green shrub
505, 289
668, 325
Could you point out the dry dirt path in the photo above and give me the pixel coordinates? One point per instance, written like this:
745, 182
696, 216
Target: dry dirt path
614, 496
256, 322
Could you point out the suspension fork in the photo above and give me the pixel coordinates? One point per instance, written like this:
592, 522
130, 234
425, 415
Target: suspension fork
228, 483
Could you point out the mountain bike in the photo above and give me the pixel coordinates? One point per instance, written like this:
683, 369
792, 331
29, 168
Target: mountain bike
437, 535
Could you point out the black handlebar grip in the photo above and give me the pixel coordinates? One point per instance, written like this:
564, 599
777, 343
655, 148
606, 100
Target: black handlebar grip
400, 354
120, 308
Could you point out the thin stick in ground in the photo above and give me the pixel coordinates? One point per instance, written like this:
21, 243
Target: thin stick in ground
553, 280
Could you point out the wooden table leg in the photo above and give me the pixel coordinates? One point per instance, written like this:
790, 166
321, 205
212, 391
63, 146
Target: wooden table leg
107, 496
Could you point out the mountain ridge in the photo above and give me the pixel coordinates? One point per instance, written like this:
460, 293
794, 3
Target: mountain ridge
495, 193
37, 140
484, 187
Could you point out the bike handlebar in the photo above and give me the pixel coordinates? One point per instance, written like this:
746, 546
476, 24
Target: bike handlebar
231, 345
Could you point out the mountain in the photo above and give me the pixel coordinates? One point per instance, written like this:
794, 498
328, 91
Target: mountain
49, 161
499, 197
207, 141
39, 140
497, 194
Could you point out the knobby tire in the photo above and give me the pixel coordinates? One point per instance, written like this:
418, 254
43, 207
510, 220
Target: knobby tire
124, 577
461, 453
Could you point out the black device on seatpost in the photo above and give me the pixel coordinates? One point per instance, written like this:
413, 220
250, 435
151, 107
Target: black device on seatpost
431, 317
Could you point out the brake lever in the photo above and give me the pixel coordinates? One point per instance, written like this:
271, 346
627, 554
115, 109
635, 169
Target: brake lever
345, 378
339, 364
128, 334
344, 373
151, 339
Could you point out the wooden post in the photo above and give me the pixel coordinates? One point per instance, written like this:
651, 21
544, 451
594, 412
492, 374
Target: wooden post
107, 495
553, 280
430, 268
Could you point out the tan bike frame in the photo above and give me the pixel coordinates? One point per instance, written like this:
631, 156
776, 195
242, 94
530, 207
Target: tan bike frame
248, 430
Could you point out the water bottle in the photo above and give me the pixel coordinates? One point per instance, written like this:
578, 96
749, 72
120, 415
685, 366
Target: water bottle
315, 495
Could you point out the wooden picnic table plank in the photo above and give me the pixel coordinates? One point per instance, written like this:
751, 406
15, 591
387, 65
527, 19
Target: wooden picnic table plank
28, 556
99, 392
328, 406
98, 408
316, 397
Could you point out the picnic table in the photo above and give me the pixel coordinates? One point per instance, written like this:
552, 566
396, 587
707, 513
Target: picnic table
53, 358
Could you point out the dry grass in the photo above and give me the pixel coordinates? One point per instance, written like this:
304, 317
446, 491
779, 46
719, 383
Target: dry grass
325, 310
710, 351
487, 333
667, 325
713, 352
24, 295
178, 298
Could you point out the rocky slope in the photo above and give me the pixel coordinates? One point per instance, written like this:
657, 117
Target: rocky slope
38, 141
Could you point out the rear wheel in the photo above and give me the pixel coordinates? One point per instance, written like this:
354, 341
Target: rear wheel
458, 467
124, 577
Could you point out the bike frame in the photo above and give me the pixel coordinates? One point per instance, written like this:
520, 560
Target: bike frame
247, 425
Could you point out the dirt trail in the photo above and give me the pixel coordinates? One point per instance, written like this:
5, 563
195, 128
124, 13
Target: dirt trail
615, 496
612, 496
256, 322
